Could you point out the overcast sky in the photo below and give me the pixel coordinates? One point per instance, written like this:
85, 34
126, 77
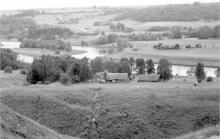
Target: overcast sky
31, 4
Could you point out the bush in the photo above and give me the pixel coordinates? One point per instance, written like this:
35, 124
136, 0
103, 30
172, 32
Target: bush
47, 82
198, 46
39, 82
64, 78
209, 79
8, 69
57, 52
22, 71
8, 58
188, 46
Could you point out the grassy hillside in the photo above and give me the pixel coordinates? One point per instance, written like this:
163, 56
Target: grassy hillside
122, 110
16, 126
205, 133
176, 12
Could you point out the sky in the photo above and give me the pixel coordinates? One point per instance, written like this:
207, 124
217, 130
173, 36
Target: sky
32, 4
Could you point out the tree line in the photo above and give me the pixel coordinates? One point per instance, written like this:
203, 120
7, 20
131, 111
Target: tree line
67, 69
56, 45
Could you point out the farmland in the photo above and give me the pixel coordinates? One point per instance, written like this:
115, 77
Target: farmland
154, 110
100, 97
208, 54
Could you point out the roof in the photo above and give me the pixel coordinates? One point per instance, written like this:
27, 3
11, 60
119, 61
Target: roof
117, 76
148, 77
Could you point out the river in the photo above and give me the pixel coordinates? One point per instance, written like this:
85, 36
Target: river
93, 52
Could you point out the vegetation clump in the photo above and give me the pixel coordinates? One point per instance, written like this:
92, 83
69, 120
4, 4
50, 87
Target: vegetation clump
8, 58
56, 45
64, 78
200, 73
23, 71
164, 69
8, 69
209, 79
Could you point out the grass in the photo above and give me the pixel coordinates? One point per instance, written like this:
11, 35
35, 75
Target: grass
36, 52
126, 110
208, 55
16, 126
12, 80
209, 132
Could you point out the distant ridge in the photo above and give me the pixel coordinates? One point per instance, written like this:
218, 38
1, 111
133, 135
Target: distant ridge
173, 12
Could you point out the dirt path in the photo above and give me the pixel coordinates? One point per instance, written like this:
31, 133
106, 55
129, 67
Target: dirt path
92, 123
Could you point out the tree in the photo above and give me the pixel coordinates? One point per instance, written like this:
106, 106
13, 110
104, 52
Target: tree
200, 74
84, 73
97, 65
164, 69
217, 72
140, 64
124, 59
112, 66
74, 71
8, 58
124, 67
131, 61
150, 66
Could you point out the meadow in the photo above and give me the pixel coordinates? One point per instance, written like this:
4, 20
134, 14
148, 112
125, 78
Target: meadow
208, 54
127, 110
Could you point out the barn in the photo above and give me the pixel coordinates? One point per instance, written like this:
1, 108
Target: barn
117, 77
148, 78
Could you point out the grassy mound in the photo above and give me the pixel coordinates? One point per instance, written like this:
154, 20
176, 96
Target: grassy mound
16, 126
55, 114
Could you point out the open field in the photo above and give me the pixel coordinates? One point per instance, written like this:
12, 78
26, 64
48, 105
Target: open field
36, 52
85, 20
208, 54
146, 25
129, 110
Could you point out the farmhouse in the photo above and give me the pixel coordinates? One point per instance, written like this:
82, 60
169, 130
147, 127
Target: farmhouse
148, 78
117, 77
106, 76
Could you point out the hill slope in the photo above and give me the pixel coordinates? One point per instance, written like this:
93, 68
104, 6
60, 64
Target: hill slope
177, 12
16, 126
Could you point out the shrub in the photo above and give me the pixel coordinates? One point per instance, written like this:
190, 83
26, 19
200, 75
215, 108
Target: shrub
209, 79
47, 82
8, 58
75, 79
198, 46
64, 78
177, 46
8, 69
39, 82
188, 46
57, 52
22, 71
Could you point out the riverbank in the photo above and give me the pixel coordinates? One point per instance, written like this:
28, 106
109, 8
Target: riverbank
37, 52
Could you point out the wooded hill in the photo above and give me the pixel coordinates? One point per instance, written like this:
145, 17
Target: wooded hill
176, 12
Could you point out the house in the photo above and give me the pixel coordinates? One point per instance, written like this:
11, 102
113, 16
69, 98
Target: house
148, 78
117, 77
